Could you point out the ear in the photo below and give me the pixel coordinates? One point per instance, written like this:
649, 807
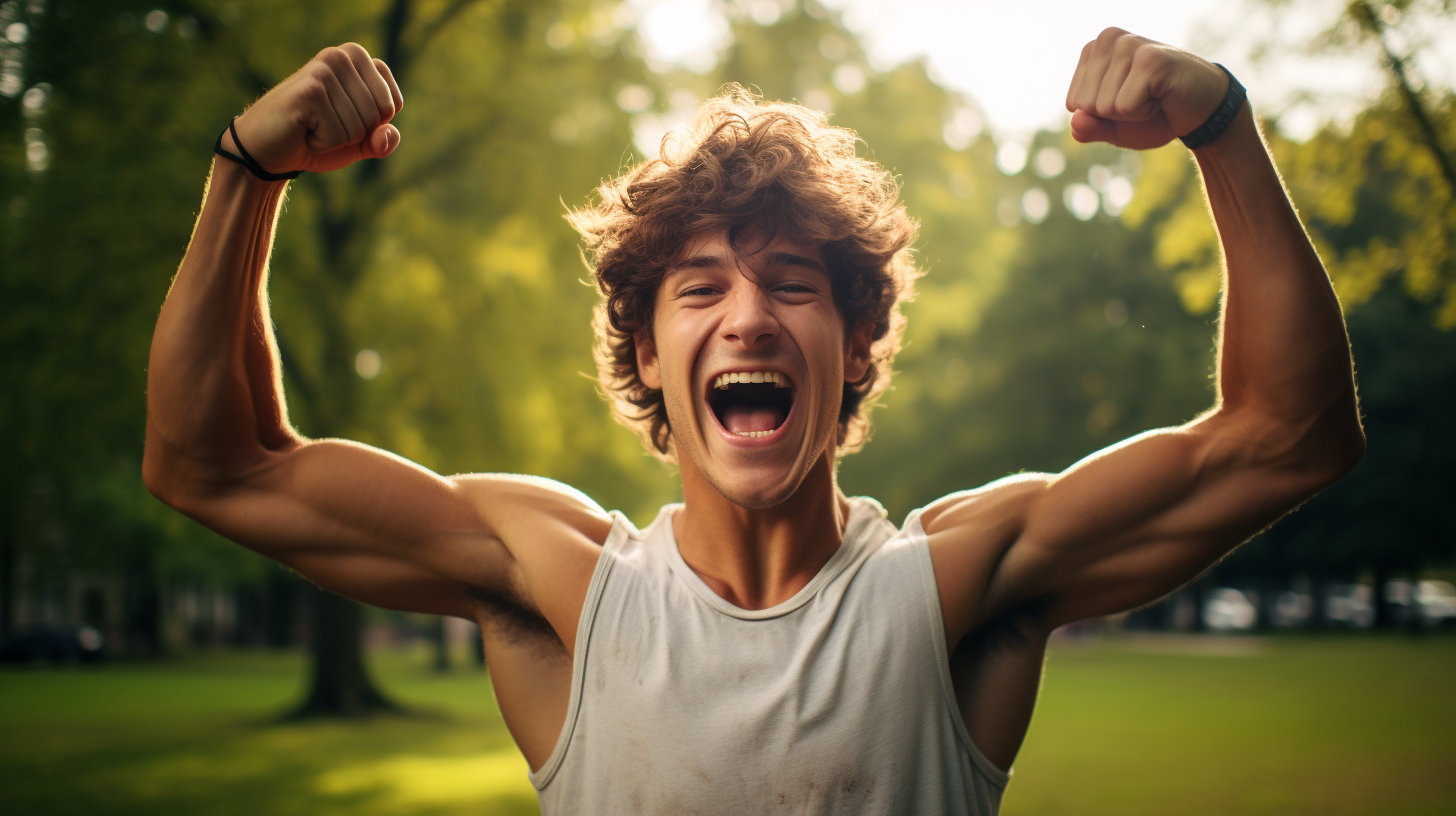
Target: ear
647, 369
856, 354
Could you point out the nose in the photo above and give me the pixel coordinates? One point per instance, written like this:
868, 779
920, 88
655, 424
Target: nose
750, 319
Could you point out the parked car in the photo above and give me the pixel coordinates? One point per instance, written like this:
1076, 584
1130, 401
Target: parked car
1349, 604
60, 645
1228, 609
1434, 601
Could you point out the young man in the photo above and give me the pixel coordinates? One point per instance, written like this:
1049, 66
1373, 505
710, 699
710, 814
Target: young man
768, 644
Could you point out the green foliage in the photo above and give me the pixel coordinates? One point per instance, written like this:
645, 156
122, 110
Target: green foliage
1030, 345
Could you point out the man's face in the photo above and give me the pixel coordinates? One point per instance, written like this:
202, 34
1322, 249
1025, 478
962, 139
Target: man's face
751, 355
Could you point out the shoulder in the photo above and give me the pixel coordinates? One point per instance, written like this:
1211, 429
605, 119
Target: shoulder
554, 535
534, 506
969, 534
1000, 503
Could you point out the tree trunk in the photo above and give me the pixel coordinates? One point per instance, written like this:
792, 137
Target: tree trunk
1415, 621
1264, 603
1383, 608
143, 605
7, 578
441, 638
477, 647
1199, 592
339, 685
1319, 593
279, 611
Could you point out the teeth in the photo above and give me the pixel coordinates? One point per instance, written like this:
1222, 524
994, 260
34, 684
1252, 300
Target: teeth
725, 380
752, 434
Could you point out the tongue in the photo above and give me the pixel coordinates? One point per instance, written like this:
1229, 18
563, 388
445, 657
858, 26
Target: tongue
744, 419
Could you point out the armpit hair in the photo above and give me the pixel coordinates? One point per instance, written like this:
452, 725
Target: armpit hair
1010, 629
512, 620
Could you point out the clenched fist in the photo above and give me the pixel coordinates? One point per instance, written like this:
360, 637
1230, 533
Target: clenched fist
333, 112
1133, 92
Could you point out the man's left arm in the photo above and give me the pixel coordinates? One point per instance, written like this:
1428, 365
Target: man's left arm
1135, 521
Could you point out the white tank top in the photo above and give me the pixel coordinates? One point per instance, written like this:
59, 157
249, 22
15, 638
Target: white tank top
837, 701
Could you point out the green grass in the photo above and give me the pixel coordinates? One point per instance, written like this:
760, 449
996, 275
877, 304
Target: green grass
1349, 725
1284, 726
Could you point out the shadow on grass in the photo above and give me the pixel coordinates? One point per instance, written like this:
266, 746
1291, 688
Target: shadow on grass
204, 738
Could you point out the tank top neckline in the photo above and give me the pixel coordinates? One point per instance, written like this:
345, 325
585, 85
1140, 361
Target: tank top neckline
864, 511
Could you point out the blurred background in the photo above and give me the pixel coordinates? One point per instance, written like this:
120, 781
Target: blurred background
433, 304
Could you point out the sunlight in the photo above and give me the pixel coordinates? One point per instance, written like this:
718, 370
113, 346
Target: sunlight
433, 780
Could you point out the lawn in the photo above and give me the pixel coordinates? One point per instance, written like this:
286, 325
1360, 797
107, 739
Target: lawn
1338, 725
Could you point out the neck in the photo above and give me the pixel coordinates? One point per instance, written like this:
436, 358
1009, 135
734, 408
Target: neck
755, 559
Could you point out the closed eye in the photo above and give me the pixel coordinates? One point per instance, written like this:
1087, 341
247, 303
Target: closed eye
698, 291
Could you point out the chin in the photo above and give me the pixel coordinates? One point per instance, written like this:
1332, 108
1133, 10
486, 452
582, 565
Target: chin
756, 498
760, 490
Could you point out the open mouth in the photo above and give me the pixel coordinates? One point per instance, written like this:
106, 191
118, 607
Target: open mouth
751, 404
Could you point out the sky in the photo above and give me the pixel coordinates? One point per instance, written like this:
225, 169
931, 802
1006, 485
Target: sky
1016, 58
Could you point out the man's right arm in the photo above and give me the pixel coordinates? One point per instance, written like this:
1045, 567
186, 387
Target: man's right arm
356, 520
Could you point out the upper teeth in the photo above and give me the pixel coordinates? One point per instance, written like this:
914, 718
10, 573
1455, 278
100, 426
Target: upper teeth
724, 380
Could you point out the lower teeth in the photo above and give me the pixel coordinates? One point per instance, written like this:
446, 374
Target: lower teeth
752, 434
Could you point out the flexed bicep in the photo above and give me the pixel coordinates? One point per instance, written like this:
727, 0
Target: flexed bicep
1136, 521
361, 522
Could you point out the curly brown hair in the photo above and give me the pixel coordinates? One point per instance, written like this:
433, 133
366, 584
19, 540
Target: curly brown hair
741, 162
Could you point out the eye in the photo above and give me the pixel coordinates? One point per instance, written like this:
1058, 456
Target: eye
796, 291
698, 291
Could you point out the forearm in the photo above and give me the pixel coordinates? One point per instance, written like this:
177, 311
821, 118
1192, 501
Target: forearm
1283, 352
214, 396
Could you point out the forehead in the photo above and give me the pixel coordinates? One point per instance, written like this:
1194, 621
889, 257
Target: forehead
713, 250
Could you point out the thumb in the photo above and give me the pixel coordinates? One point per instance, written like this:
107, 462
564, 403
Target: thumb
1087, 127
381, 142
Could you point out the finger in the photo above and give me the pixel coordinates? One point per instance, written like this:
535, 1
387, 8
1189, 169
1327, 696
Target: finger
343, 104
368, 74
1087, 127
1136, 100
1098, 57
343, 107
358, 92
383, 141
388, 77
1118, 69
1084, 94
1077, 77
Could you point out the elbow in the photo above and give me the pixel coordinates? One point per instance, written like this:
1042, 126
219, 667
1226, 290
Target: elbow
1328, 450
1316, 451
158, 477
1345, 450
161, 477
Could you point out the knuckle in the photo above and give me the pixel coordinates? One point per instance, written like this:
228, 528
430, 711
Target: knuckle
1110, 35
315, 90
335, 57
1151, 58
354, 49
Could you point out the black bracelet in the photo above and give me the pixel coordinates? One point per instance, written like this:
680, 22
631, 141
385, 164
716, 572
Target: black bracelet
1222, 117
246, 159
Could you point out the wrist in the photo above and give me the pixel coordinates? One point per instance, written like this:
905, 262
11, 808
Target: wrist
1232, 103
1238, 143
240, 155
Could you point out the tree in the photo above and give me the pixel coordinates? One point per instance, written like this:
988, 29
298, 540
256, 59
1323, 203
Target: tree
458, 235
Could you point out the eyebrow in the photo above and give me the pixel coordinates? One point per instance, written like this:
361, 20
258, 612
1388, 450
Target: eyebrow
708, 261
